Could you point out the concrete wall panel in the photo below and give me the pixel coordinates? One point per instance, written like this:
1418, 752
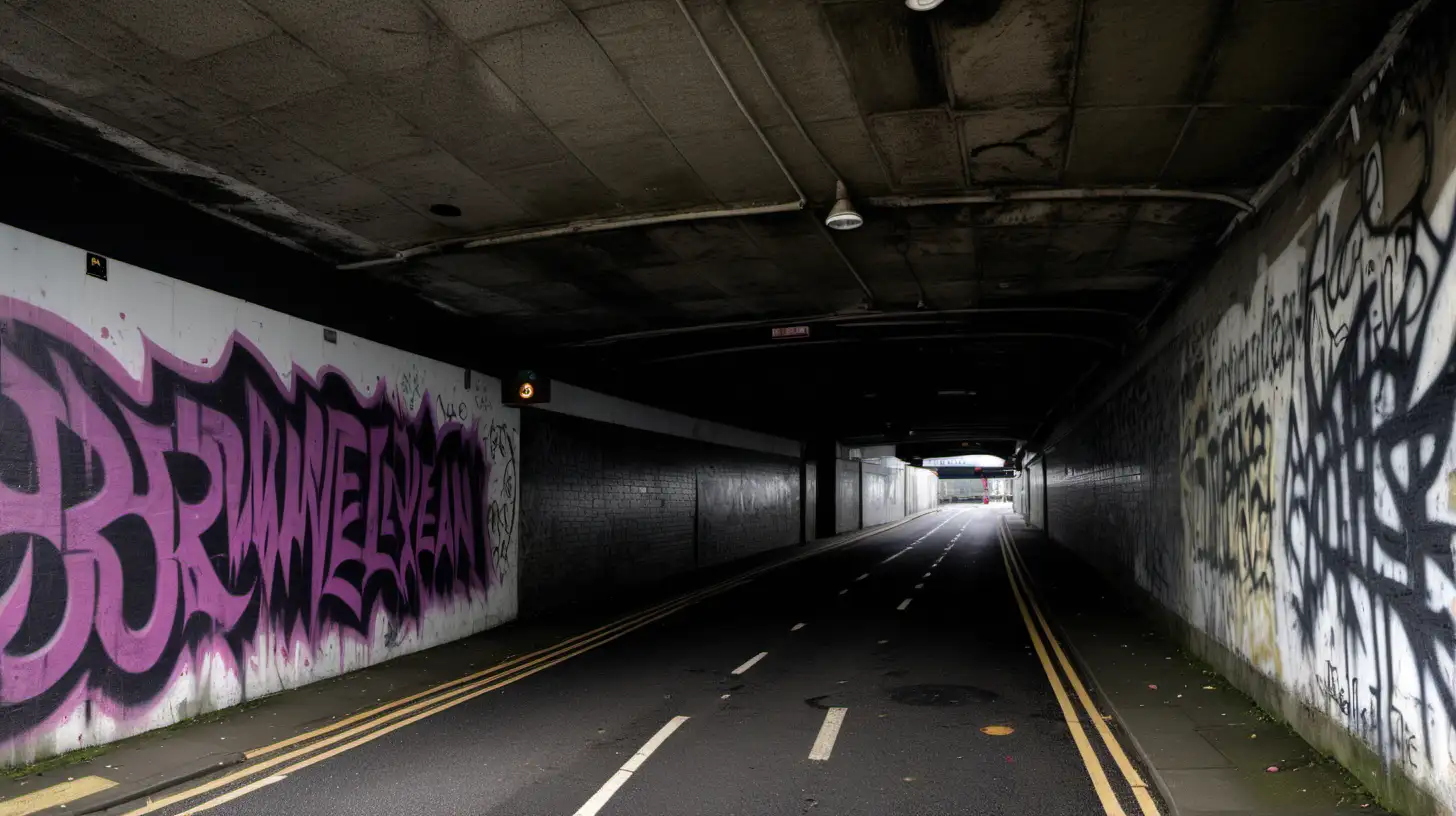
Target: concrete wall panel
881, 499
847, 496
1277, 466
166, 452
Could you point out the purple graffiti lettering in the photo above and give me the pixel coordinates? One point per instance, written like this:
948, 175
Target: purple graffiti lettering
209, 509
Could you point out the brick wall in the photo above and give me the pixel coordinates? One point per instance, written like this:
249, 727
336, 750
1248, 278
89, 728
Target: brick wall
605, 507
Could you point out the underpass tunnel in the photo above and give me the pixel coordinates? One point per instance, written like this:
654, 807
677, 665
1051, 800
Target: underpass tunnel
727, 406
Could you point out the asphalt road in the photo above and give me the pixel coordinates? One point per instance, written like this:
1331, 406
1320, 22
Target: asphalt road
915, 685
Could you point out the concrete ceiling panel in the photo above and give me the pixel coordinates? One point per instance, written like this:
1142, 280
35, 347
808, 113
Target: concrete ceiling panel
1140, 53
1155, 248
189, 29
364, 209
40, 60
1094, 212
649, 173
1100, 283
1015, 146
348, 127
890, 51
141, 108
1295, 52
474, 20
735, 166
458, 102
401, 229
554, 191
266, 72
653, 47
1236, 147
793, 39
705, 240
78, 21
346, 199
1012, 252
206, 107
435, 177
921, 149
482, 269
846, 144
566, 79
1081, 250
546, 295
1009, 53
252, 151
746, 277
1014, 214
679, 281
375, 36
1113, 146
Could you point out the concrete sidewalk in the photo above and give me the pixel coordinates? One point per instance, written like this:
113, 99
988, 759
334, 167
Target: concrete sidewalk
142, 765
1211, 750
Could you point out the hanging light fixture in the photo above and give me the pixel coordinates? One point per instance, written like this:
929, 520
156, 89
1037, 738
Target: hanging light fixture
843, 216
922, 5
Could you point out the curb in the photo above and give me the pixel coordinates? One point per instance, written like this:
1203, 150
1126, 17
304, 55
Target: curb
147, 789
1106, 704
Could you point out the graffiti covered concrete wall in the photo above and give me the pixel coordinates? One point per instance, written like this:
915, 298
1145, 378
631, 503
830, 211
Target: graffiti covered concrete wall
1305, 517
203, 501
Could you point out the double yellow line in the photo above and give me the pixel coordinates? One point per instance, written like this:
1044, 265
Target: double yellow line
288, 756
1041, 635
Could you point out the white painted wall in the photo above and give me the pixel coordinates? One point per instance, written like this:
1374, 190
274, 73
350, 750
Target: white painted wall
115, 320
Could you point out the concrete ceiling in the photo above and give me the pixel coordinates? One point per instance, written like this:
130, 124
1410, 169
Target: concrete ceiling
401, 131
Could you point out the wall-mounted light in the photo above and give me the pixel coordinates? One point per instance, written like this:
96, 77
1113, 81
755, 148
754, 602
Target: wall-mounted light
922, 5
843, 216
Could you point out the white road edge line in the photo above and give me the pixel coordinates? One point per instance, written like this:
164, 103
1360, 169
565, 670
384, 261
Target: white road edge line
796, 627
896, 555
904, 604
605, 792
828, 733
748, 664
862, 577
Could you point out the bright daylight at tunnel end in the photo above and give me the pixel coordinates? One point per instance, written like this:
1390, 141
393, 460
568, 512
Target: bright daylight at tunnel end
656, 407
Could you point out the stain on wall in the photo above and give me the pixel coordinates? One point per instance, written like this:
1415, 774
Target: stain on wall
1304, 515
187, 521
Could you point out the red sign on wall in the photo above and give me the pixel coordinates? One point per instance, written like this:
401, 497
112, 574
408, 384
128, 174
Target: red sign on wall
781, 332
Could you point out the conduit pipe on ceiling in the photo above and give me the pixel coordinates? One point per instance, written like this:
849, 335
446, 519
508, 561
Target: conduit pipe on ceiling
1064, 194
793, 117
590, 225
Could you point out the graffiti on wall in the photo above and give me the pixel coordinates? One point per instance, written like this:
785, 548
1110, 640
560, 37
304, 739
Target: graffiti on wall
1226, 455
1368, 543
208, 509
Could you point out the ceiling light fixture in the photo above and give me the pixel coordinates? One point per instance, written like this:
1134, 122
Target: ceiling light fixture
843, 216
922, 5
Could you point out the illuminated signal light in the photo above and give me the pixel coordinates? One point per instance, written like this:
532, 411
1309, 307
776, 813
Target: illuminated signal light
526, 388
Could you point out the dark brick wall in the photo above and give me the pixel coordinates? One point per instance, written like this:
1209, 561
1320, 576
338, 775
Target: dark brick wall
605, 507
1112, 489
